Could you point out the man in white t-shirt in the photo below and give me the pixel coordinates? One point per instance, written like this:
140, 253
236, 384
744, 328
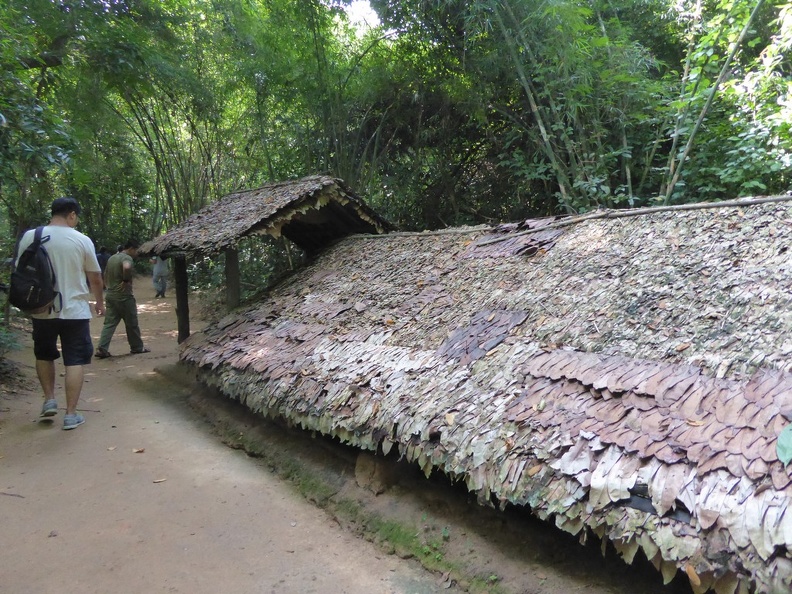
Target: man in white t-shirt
78, 276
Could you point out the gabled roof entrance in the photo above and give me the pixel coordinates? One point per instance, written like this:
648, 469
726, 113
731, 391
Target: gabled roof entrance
312, 212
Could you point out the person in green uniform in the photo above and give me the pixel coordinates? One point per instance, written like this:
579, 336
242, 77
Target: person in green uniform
120, 303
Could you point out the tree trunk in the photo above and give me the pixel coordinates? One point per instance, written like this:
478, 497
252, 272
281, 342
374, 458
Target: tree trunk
182, 305
233, 288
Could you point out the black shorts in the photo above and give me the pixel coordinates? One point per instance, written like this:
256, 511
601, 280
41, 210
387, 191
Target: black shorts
75, 339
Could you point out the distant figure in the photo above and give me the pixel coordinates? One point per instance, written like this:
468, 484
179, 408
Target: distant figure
78, 277
103, 255
159, 276
120, 302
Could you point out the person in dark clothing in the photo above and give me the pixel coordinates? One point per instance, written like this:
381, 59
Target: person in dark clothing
103, 255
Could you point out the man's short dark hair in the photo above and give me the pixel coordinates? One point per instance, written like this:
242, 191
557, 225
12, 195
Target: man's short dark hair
132, 243
64, 205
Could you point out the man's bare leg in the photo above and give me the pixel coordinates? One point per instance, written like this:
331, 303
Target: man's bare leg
45, 370
74, 384
46, 375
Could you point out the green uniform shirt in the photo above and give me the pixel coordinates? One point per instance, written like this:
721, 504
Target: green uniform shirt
116, 275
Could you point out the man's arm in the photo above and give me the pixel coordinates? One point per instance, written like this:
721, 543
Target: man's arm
96, 284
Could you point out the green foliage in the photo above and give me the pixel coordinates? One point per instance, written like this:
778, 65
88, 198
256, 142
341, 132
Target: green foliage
33, 138
450, 113
262, 261
746, 156
743, 148
8, 340
578, 110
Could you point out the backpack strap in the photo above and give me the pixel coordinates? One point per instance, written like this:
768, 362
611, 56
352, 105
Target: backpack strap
37, 237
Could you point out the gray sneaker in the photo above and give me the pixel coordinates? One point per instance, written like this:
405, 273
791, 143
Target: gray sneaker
72, 421
50, 408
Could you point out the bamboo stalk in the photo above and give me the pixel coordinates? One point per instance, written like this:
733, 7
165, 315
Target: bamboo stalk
721, 77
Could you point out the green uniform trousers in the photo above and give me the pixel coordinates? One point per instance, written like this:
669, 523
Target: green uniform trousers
119, 308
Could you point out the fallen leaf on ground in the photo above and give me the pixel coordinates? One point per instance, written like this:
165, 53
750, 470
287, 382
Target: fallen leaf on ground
162, 480
138, 450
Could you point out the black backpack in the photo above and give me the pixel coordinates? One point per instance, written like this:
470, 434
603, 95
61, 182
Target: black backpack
32, 287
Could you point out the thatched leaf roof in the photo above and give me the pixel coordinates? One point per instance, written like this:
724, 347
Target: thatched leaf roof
626, 377
312, 212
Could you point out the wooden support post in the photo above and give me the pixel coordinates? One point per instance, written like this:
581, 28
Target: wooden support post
182, 305
233, 284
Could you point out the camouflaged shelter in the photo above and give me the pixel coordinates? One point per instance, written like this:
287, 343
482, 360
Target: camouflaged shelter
630, 378
312, 212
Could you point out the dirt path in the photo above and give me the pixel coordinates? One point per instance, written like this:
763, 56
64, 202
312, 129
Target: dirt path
146, 498
143, 498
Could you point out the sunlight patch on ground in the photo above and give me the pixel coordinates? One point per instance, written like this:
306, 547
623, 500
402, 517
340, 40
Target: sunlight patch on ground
161, 307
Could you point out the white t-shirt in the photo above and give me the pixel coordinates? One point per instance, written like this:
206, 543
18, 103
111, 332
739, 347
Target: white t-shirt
72, 255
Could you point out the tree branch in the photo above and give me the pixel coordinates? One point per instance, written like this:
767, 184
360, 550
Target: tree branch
49, 58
